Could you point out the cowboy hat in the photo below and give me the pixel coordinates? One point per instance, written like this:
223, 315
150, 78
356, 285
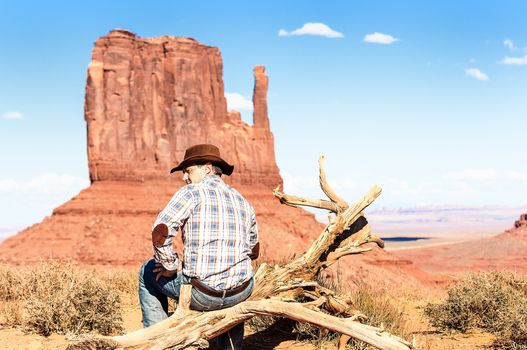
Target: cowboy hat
204, 153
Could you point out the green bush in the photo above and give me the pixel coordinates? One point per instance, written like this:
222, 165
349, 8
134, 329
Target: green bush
493, 301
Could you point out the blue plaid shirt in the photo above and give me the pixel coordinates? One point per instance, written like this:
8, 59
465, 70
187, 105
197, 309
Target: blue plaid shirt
219, 231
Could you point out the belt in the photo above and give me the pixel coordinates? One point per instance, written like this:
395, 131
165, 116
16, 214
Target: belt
218, 293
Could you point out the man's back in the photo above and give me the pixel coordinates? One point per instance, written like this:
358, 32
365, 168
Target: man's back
218, 235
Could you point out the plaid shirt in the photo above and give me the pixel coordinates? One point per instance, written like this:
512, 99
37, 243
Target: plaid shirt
219, 231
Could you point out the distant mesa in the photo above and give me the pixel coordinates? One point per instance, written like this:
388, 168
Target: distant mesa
506, 251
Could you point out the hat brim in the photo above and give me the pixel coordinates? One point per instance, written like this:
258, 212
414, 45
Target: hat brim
225, 167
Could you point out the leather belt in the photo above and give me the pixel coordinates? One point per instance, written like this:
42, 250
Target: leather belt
218, 293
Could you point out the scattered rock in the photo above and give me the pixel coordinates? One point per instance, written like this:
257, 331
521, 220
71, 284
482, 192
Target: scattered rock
522, 222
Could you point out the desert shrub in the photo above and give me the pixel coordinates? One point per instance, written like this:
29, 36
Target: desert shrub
11, 291
493, 301
380, 307
126, 282
11, 284
58, 297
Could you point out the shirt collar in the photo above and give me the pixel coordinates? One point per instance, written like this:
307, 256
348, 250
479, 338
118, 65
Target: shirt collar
209, 179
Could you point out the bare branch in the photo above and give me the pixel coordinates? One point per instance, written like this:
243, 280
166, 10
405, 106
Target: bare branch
296, 201
341, 203
185, 294
207, 325
342, 222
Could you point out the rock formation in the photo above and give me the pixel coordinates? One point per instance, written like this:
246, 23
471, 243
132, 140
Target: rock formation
522, 222
147, 100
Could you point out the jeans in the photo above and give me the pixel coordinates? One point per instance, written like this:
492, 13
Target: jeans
153, 296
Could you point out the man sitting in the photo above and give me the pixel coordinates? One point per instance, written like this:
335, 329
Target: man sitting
220, 238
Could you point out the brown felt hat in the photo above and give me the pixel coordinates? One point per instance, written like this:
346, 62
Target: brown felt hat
202, 154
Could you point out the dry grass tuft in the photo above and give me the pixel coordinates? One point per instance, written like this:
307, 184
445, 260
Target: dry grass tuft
378, 304
60, 298
493, 301
382, 309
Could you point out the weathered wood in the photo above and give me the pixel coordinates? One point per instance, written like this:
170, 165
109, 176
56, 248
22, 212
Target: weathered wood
207, 325
296, 201
185, 293
324, 185
278, 287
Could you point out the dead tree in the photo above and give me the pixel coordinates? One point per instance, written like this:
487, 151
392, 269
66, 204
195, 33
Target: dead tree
277, 288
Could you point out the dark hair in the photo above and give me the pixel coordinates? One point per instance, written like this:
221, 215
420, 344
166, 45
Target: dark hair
217, 170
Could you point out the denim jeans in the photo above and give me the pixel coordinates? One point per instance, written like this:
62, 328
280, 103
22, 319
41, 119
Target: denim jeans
153, 296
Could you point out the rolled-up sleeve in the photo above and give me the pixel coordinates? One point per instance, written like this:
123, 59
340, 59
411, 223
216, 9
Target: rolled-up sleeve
174, 215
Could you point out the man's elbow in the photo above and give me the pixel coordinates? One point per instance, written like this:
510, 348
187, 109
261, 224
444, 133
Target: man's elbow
255, 253
159, 235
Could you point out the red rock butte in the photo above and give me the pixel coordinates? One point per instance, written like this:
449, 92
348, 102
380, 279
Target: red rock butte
147, 100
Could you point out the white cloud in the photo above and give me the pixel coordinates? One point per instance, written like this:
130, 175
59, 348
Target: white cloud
380, 38
13, 115
318, 29
25, 202
476, 74
509, 44
514, 175
515, 61
54, 183
44, 184
8, 185
294, 184
238, 102
486, 174
473, 174
394, 187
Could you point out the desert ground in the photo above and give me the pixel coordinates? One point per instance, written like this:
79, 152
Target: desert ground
409, 302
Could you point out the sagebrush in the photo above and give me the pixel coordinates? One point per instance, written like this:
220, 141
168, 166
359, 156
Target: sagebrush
62, 298
493, 301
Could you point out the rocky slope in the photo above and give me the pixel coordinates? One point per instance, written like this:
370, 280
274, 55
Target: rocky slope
505, 251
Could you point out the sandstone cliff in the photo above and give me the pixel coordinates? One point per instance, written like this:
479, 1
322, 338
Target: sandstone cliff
147, 100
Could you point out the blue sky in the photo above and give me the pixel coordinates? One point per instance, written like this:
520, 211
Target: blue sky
426, 99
